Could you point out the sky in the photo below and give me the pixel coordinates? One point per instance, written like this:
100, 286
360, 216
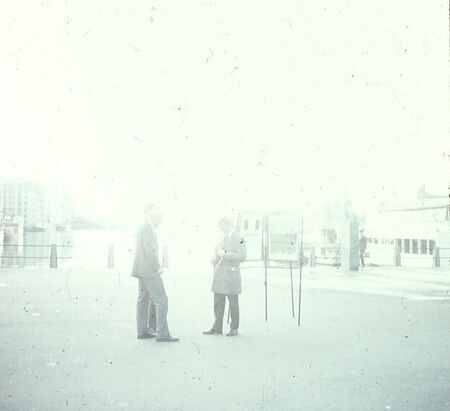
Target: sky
205, 107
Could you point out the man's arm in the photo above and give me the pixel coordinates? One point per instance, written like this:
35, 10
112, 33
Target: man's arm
215, 260
151, 250
238, 255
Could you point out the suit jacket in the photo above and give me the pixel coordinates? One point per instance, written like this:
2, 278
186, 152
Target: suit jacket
146, 261
227, 275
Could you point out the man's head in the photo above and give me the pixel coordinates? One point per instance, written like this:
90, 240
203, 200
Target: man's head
226, 225
153, 213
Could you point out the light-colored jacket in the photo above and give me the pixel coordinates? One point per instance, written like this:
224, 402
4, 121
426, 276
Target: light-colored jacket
146, 261
227, 275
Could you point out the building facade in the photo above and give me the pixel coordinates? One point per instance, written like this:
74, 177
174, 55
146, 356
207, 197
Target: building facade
34, 203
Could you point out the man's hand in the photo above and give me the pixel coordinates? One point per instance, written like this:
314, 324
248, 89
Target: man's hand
160, 272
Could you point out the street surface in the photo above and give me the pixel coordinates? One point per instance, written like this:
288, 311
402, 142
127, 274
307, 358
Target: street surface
377, 339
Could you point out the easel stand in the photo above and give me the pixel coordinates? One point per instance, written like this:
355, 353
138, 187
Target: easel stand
266, 262
292, 290
300, 279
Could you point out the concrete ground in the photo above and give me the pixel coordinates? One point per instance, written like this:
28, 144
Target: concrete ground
377, 339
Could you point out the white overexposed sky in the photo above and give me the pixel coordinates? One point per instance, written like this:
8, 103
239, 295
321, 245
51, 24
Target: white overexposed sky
204, 106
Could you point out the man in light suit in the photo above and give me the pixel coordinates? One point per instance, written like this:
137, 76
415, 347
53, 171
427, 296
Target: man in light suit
227, 277
148, 270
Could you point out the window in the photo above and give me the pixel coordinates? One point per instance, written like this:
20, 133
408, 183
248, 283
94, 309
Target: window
375, 240
245, 225
423, 246
257, 225
415, 246
406, 246
431, 246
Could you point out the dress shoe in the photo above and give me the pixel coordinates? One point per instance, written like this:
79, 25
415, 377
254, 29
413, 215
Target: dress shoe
146, 335
232, 333
212, 331
167, 339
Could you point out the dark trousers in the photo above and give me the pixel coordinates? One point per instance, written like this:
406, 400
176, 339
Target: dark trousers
361, 254
219, 308
152, 318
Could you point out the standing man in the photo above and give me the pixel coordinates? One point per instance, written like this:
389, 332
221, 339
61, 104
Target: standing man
148, 270
362, 247
227, 277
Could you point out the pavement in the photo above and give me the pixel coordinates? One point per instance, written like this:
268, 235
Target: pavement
376, 339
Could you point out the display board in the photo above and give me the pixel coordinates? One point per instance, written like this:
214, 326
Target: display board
251, 228
283, 237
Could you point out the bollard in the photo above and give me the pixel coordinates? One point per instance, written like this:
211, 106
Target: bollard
53, 257
398, 258
111, 256
165, 257
350, 256
312, 257
437, 257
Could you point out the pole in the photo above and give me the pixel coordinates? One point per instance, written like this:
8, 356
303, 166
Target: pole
437, 257
312, 257
292, 290
53, 257
300, 279
265, 264
398, 256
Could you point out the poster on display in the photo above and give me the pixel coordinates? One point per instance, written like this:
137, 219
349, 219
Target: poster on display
251, 228
283, 237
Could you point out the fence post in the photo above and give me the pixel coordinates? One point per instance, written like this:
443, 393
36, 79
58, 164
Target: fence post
398, 256
53, 257
111, 256
312, 257
437, 257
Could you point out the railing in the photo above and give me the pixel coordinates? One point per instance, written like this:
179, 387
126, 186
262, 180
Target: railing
12, 255
383, 256
10, 258
375, 256
395, 255
326, 255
